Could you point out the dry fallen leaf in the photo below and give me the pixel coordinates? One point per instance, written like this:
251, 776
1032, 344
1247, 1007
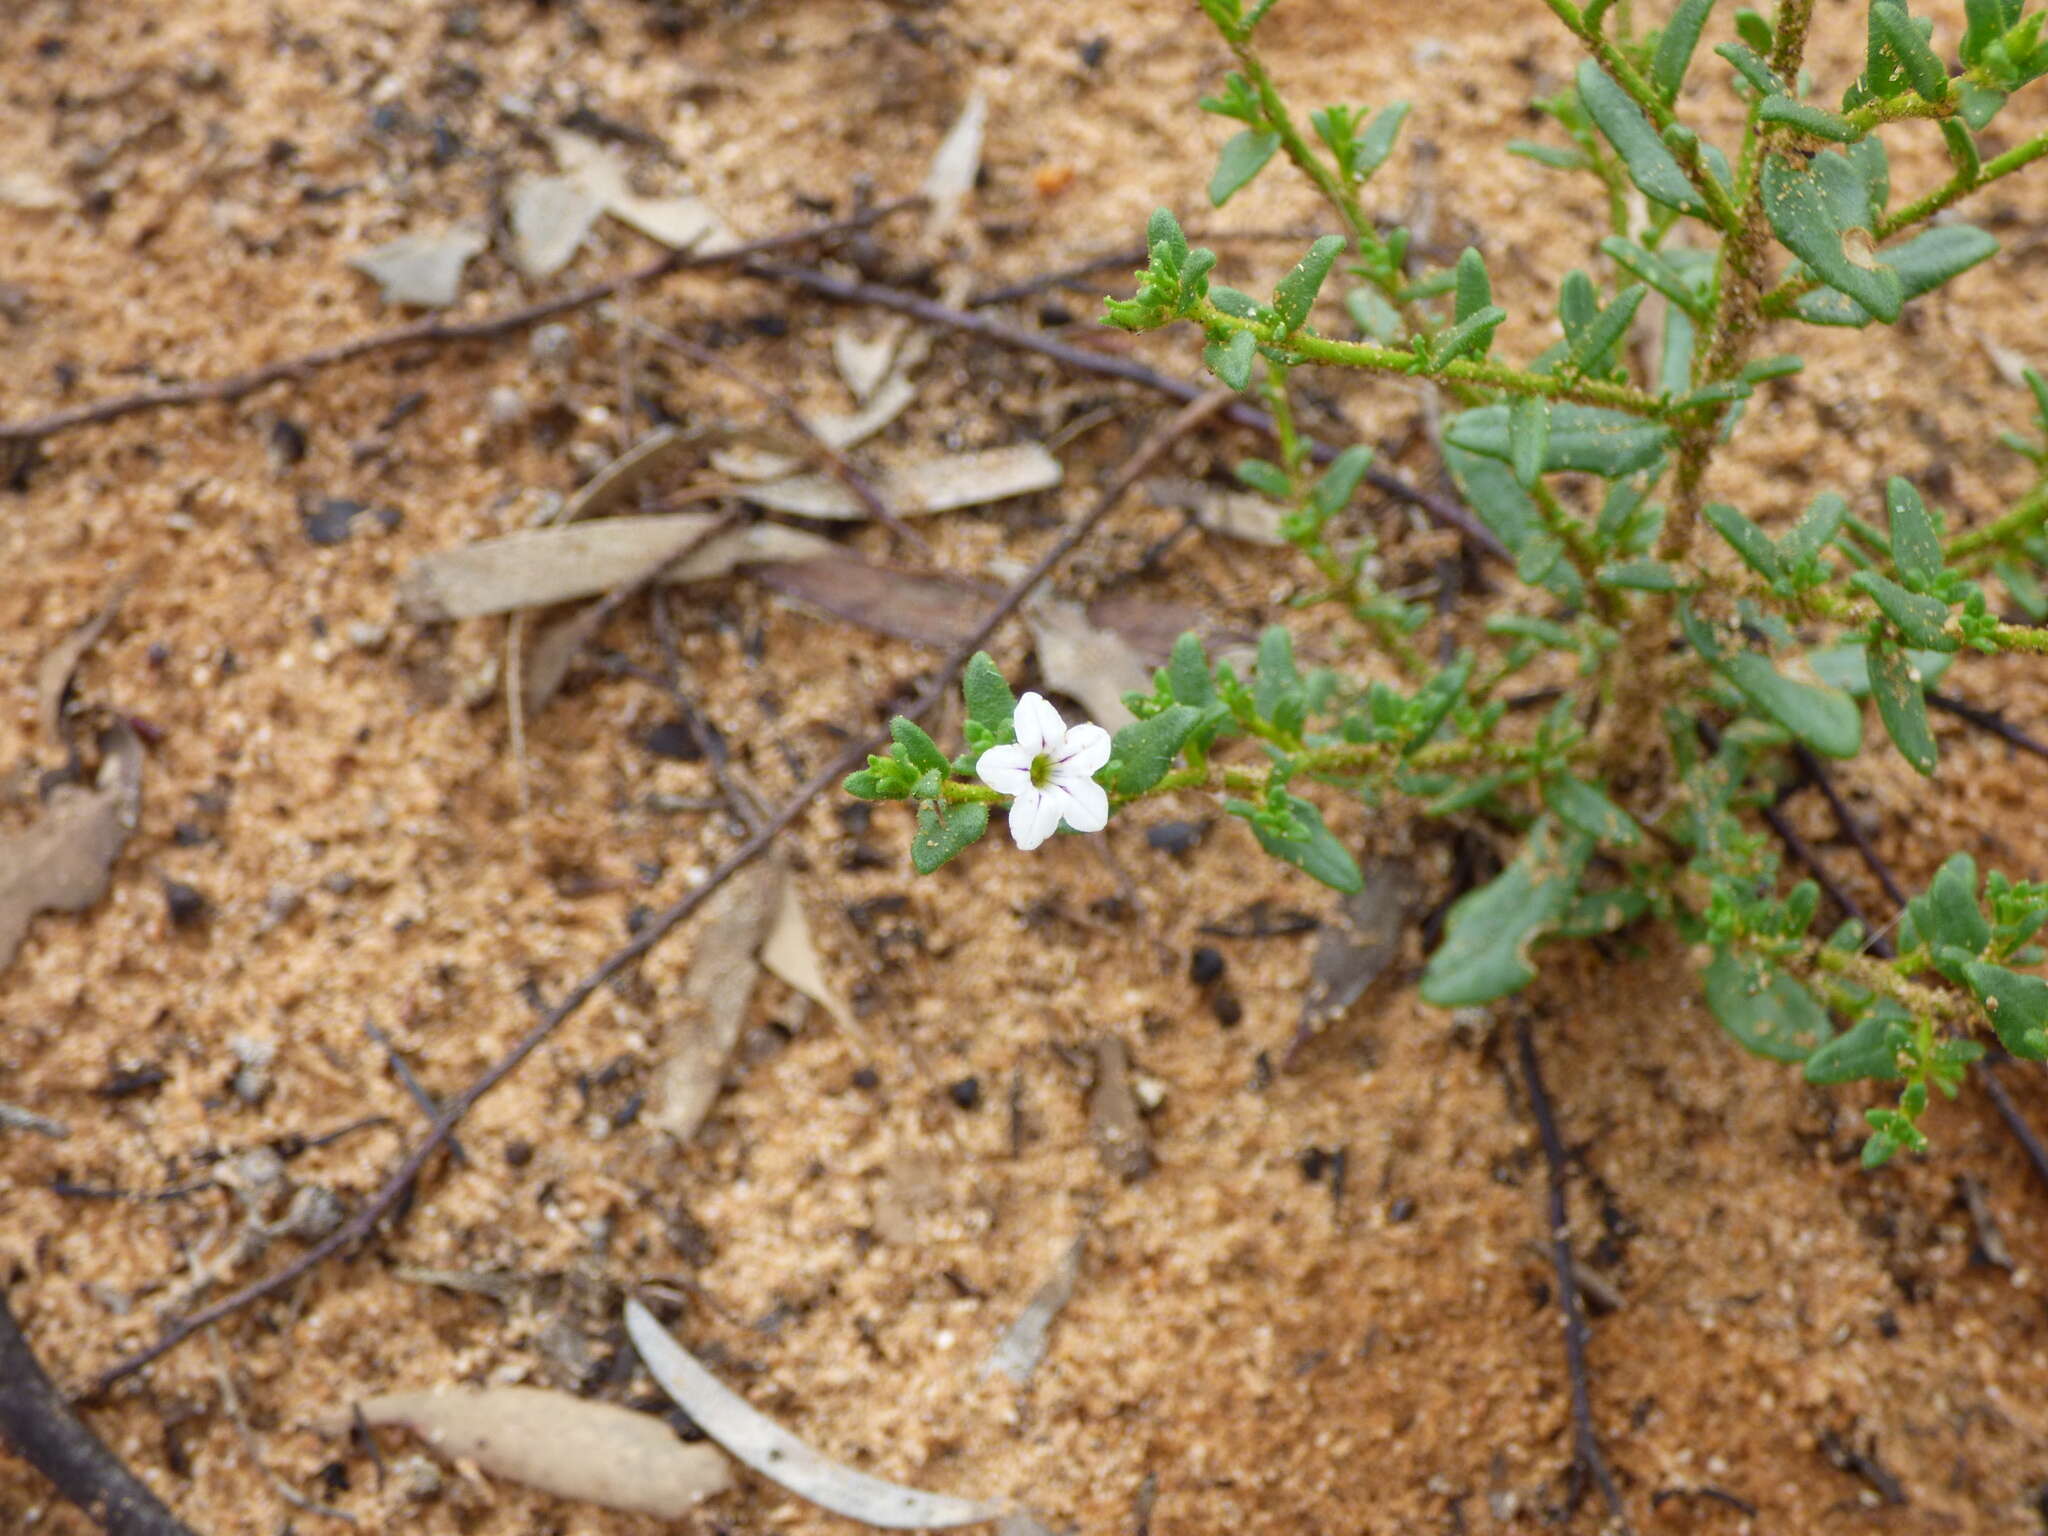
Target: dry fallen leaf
956, 166
1081, 659
778, 1455
1359, 942
920, 488
567, 1446
682, 222
1234, 514
62, 863
926, 607
421, 270
1023, 1344
538, 566
836, 431
551, 216
53, 672
657, 451
864, 361
791, 957
711, 1005
1121, 1140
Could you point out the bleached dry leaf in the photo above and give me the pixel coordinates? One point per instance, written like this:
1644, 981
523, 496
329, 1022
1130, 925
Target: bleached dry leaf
840, 431
681, 222
63, 862
711, 1005
921, 488
1022, 1346
1234, 514
655, 452
864, 361
421, 270
1078, 657
53, 672
779, 1456
30, 190
2008, 364
551, 217
955, 166
563, 1445
791, 957
538, 566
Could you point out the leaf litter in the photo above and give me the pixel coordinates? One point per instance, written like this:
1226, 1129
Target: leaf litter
60, 662
422, 271
1022, 1347
757, 1441
64, 861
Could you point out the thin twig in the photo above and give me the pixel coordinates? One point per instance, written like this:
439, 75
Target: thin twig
850, 291
42, 1428
1988, 720
402, 1069
400, 1182
1585, 1442
231, 1400
436, 330
836, 463
1817, 771
2009, 1112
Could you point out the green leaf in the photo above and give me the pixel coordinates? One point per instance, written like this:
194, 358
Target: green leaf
1472, 334
2016, 1005
916, 748
1818, 524
1753, 68
1296, 295
1649, 163
1318, 855
1915, 538
1578, 304
1474, 291
1231, 361
1808, 118
1902, 706
1639, 576
989, 700
1163, 229
1377, 142
1768, 1011
1986, 22
1584, 808
1243, 157
1845, 667
1277, 676
1187, 673
1924, 70
1548, 154
1528, 437
1827, 721
1949, 914
1751, 27
1585, 438
943, 833
1339, 483
1870, 1050
866, 784
1675, 46
1145, 749
1653, 269
1920, 619
1811, 210
1746, 539
1372, 314
1489, 933
1591, 351
1980, 105
1266, 478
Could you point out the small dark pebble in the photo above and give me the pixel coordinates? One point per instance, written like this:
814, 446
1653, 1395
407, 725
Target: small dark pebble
1888, 1325
518, 1153
157, 654
676, 740
1052, 314
334, 1477
185, 905
1401, 1210
1174, 836
330, 525
1314, 1163
768, 325
856, 816
188, 834
863, 856
287, 442
1094, 51
405, 405
1204, 966
966, 1093
867, 1079
637, 916
126, 1082
1228, 1010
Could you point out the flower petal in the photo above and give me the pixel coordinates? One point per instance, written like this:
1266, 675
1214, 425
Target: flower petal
1006, 770
1038, 725
1035, 816
1086, 750
1085, 805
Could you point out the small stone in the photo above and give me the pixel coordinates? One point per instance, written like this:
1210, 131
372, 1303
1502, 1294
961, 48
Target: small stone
187, 907
518, 1152
254, 1173
337, 882
287, 444
505, 406
552, 345
365, 636
966, 1092
315, 1211
867, 1079
1228, 1010
1175, 837
1150, 1092
252, 1079
279, 904
1401, 1210
1205, 965
330, 525
676, 740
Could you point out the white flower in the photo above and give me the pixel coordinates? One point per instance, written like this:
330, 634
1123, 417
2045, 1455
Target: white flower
1051, 771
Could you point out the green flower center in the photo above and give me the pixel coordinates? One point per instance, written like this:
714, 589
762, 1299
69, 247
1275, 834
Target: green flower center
1041, 770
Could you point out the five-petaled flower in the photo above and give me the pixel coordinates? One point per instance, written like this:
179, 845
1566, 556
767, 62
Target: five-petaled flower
1051, 771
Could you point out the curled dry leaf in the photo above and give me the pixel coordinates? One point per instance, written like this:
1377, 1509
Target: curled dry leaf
921, 488
682, 222
53, 672
538, 566
424, 271
63, 862
779, 1456
563, 1445
864, 361
1023, 1344
610, 486
712, 1005
790, 955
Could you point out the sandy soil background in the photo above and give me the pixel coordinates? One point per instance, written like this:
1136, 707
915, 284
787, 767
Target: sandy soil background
1255, 1346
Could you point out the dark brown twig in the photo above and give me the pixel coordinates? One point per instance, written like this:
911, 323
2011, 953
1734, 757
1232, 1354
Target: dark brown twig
402, 1070
1824, 781
1585, 1441
2009, 1112
851, 291
398, 1185
434, 331
42, 1428
1988, 720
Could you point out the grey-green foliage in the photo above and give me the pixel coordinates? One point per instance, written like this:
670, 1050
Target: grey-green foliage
1757, 630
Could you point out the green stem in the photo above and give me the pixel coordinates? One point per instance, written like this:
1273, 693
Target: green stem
1978, 545
1311, 165
1578, 549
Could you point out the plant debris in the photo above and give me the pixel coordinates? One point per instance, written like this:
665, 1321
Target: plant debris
682, 221
922, 487
564, 1445
956, 166
424, 271
790, 955
779, 1456
712, 1005
1114, 1120
1079, 658
54, 671
64, 861
1359, 941
1023, 1344
551, 216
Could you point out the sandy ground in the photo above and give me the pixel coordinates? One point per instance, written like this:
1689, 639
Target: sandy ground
1255, 1345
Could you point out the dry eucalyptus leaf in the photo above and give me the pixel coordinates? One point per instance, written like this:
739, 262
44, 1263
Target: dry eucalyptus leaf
681, 222
1359, 943
551, 218
421, 270
1150, 626
538, 566
921, 488
1121, 1140
1081, 659
925, 607
790, 955
564, 1445
1023, 1344
711, 1006
863, 361
53, 672
955, 166
657, 451
778, 1455
63, 862
1234, 514
889, 402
